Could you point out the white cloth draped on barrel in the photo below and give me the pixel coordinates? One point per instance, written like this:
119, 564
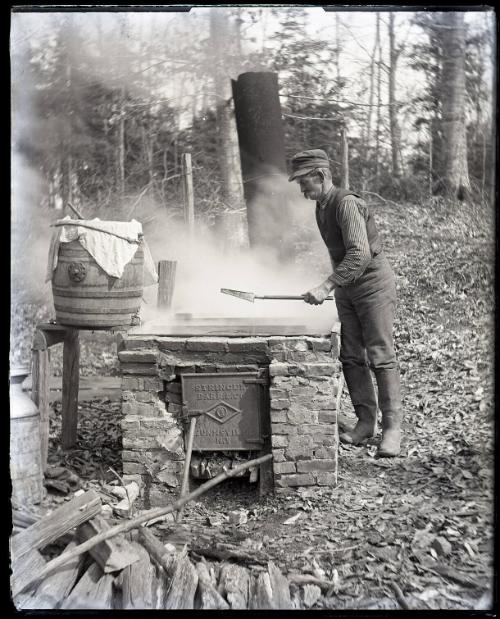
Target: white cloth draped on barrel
112, 244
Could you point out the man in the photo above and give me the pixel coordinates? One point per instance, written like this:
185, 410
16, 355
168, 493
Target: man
365, 294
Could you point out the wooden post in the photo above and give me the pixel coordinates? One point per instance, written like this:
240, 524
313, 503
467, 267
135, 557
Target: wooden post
187, 177
187, 463
166, 282
71, 379
40, 396
344, 174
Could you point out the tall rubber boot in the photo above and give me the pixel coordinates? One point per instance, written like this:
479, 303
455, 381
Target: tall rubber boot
389, 402
359, 383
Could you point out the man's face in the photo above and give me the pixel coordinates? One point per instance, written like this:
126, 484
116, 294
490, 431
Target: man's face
311, 186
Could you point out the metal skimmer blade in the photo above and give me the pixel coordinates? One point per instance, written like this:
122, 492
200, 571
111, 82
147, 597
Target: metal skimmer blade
247, 296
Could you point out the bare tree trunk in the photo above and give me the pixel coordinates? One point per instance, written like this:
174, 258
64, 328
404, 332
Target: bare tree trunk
227, 139
379, 102
456, 172
393, 110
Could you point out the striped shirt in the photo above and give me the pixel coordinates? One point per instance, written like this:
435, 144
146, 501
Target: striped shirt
351, 217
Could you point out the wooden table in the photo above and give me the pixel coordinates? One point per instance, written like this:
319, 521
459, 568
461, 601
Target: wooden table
46, 335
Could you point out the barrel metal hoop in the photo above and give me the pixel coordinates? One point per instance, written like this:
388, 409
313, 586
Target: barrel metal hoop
97, 294
96, 312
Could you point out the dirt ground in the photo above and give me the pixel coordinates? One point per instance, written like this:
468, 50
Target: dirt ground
405, 521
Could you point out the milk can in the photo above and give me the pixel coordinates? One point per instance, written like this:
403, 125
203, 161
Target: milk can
25, 455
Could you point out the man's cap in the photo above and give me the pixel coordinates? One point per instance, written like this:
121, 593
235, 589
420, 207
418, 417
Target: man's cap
307, 161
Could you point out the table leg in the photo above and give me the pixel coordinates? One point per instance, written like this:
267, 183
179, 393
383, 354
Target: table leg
70, 385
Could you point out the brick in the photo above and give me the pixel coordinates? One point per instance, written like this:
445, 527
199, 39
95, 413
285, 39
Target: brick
154, 458
327, 418
295, 480
324, 403
284, 381
138, 356
274, 392
284, 467
278, 369
132, 343
279, 403
207, 344
279, 416
326, 479
335, 342
206, 368
146, 396
319, 344
278, 455
298, 446
283, 428
304, 390
153, 383
130, 477
278, 355
294, 369
170, 479
171, 343
139, 368
139, 442
279, 440
225, 367
284, 342
156, 423
320, 369
247, 344
133, 468
143, 409
301, 415
130, 424
325, 452
132, 383
316, 465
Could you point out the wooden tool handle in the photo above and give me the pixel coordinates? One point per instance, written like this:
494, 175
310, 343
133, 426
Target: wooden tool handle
287, 297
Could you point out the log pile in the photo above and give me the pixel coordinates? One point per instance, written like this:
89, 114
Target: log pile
110, 565
134, 570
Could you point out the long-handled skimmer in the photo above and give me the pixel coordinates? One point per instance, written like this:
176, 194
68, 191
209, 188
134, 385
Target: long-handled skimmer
250, 296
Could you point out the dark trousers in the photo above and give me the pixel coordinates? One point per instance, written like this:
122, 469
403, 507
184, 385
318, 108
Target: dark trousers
366, 314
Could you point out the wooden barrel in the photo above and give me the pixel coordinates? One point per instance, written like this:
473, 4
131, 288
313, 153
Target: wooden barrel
25, 453
86, 296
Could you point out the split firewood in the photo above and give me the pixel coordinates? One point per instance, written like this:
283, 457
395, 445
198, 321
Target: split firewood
455, 576
52, 526
234, 585
112, 555
94, 590
52, 592
22, 519
156, 550
262, 594
183, 585
279, 587
136, 522
403, 602
23, 569
207, 597
139, 581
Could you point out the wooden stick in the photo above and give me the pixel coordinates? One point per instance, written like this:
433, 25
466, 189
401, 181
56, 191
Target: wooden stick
187, 463
166, 282
144, 517
70, 385
400, 596
40, 371
75, 211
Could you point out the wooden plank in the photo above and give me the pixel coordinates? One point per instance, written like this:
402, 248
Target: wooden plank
207, 597
183, 585
139, 582
71, 375
40, 372
22, 569
112, 554
94, 590
234, 584
166, 282
52, 526
54, 589
187, 464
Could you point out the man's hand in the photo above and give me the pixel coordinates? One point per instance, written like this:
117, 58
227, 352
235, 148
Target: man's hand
317, 295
